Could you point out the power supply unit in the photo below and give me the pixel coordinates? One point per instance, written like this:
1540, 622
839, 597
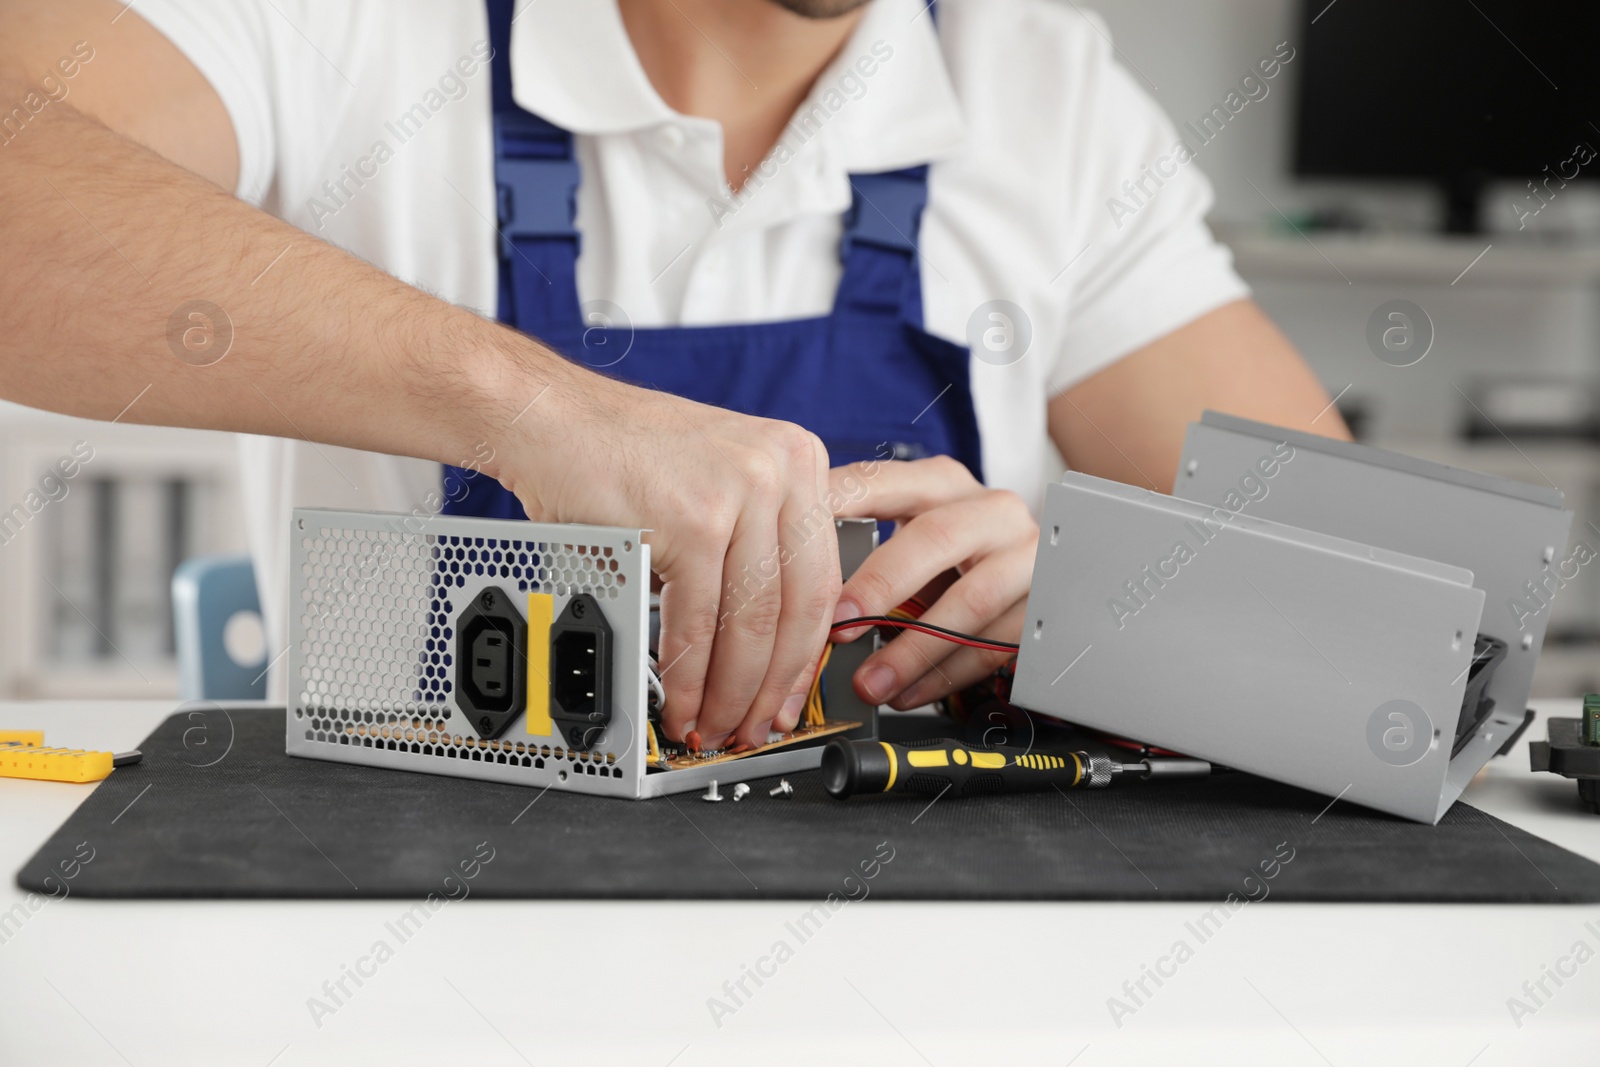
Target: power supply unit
511, 652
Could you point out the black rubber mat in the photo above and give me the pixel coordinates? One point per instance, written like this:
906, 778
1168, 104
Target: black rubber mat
248, 821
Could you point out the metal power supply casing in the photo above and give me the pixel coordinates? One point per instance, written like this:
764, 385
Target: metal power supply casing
1303, 609
373, 602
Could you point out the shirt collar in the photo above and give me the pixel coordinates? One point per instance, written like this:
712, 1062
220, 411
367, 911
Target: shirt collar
572, 64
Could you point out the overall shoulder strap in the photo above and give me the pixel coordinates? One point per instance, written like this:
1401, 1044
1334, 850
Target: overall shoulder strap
882, 260
536, 187
882, 264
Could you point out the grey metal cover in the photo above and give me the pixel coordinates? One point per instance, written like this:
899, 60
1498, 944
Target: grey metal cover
1276, 650
373, 599
1511, 535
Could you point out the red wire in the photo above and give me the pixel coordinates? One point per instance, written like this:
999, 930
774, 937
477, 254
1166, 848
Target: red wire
908, 624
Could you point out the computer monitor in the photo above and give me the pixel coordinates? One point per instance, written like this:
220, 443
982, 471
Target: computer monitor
1458, 92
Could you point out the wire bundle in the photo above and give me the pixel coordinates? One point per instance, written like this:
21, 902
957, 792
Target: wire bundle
907, 616
906, 622
812, 715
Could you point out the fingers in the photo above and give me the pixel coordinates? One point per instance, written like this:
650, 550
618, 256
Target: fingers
928, 545
809, 580
739, 662
752, 606
688, 628
899, 489
793, 707
778, 584
995, 589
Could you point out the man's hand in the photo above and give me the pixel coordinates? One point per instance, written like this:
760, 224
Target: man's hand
741, 538
948, 522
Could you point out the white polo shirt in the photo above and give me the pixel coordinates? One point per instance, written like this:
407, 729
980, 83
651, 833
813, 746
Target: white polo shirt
367, 123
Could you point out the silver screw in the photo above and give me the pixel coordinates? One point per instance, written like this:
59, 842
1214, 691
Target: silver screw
740, 791
782, 789
711, 794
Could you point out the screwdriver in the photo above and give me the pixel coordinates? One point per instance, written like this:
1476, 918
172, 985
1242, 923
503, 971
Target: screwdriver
944, 764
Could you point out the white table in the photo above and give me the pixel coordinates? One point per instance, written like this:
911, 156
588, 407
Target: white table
87, 982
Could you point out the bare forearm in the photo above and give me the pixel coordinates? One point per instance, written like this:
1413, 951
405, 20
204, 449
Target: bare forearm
1128, 421
107, 251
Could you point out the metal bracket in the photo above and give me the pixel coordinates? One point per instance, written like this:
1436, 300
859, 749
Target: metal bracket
1272, 649
1511, 535
857, 539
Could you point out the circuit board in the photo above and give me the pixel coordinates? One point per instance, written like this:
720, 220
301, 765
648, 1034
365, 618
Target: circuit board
677, 757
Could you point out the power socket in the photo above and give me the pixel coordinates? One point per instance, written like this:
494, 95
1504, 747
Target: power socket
580, 672
491, 661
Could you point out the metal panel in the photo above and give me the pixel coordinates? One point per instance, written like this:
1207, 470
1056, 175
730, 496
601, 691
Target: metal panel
375, 597
1247, 642
857, 539
370, 668
1511, 535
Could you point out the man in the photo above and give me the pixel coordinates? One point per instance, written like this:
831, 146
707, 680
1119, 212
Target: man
749, 246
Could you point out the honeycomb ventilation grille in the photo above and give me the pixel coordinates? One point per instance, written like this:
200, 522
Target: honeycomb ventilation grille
365, 628
373, 666
432, 737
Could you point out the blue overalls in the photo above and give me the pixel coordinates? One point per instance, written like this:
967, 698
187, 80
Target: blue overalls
866, 378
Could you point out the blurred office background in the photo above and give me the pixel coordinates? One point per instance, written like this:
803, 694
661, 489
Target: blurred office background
1332, 190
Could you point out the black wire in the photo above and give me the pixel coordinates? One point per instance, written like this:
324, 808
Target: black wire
872, 620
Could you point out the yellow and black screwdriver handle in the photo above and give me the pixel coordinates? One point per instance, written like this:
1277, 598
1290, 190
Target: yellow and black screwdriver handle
934, 767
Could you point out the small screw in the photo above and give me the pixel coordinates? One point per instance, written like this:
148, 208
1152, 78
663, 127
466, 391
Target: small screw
711, 794
577, 609
740, 791
488, 598
782, 789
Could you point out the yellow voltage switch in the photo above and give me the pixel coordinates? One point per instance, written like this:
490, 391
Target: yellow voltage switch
541, 614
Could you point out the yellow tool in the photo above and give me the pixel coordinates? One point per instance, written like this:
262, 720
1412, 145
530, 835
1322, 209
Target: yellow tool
22, 755
934, 767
